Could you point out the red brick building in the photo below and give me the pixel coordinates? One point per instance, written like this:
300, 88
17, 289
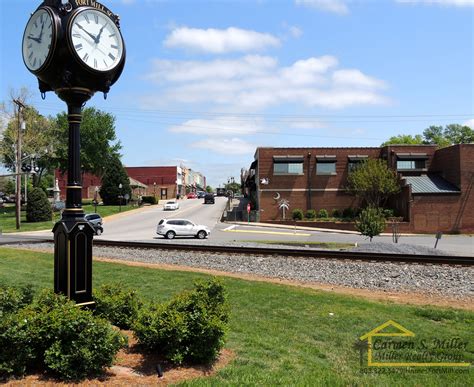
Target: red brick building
163, 182
436, 184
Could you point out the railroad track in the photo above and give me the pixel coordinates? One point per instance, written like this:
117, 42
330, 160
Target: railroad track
308, 253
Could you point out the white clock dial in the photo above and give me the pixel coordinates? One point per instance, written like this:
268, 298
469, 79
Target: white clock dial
96, 40
38, 40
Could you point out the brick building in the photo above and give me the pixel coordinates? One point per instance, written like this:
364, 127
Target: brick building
436, 184
163, 182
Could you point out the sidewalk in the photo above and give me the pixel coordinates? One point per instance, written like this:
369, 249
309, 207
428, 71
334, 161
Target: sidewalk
328, 230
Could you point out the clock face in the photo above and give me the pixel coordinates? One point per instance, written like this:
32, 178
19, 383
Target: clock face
38, 40
96, 40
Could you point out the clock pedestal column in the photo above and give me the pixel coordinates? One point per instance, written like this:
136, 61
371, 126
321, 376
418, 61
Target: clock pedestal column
73, 234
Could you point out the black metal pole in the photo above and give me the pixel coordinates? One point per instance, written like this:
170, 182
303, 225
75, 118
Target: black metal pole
73, 234
74, 181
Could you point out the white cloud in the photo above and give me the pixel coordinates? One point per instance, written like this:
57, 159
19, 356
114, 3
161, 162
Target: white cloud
335, 6
220, 126
447, 3
226, 146
353, 77
469, 123
258, 82
296, 32
184, 71
305, 124
220, 41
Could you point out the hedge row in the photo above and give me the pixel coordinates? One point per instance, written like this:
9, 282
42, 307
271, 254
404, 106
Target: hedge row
50, 333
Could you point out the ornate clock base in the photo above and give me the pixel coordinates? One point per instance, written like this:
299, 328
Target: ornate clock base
73, 259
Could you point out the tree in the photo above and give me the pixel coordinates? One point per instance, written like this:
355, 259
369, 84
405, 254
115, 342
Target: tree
435, 135
209, 189
370, 222
234, 187
404, 139
38, 208
459, 134
37, 138
373, 182
98, 140
113, 176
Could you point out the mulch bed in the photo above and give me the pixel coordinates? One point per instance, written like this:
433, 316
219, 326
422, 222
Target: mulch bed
135, 366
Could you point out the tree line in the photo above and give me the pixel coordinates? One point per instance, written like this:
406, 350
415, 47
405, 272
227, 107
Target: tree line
436, 135
45, 140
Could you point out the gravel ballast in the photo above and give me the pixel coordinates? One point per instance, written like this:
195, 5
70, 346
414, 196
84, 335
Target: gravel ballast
434, 280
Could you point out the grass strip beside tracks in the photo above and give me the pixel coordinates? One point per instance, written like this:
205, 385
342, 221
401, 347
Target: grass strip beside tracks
281, 335
8, 219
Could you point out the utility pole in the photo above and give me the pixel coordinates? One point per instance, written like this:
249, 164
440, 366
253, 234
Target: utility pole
20, 106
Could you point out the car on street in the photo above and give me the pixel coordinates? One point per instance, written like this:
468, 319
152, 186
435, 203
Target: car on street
200, 194
95, 220
191, 195
209, 199
171, 228
171, 205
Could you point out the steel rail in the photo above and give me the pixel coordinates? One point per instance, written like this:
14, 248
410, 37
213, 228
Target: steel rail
308, 253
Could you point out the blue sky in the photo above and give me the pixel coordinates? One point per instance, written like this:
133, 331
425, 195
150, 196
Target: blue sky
206, 82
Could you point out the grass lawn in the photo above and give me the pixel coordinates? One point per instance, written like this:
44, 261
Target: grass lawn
321, 245
281, 335
8, 219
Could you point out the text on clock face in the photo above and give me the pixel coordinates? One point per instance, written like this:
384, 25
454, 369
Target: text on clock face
96, 40
37, 40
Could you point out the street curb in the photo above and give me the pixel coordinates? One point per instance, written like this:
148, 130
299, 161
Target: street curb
328, 230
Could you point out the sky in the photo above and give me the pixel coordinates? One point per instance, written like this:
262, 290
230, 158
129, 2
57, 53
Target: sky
207, 82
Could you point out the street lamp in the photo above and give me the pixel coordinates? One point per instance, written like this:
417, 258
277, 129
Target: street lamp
120, 197
154, 189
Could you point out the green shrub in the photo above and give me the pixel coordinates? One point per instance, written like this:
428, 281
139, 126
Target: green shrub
322, 213
191, 327
149, 199
297, 214
117, 304
336, 213
53, 334
14, 334
370, 222
38, 208
348, 213
12, 299
310, 214
388, 213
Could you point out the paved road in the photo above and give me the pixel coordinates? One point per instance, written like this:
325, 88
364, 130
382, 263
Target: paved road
142, 225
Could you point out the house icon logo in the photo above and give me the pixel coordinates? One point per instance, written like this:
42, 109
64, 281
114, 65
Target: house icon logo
392, 345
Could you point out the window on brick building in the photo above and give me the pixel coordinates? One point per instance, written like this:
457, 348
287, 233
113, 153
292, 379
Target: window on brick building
288, 165
411, 161
325, 165
355, 161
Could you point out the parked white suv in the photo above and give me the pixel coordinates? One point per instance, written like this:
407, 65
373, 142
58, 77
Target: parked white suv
171, 228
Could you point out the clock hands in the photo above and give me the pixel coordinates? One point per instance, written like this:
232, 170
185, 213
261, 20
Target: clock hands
38, 40
41, 33
87, 32
97, 40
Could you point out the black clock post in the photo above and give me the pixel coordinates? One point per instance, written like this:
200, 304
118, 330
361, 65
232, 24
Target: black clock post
65, 47
72, 234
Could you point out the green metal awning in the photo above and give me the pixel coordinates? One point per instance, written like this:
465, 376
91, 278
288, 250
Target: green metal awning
431, 184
